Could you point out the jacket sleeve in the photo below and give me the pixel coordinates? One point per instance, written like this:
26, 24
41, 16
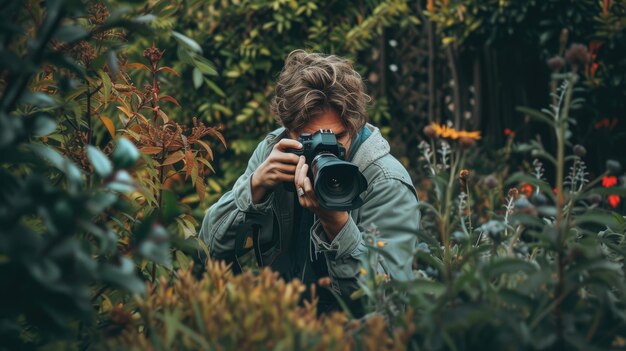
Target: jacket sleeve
220, 224
390, 206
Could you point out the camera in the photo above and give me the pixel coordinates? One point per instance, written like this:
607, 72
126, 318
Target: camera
337, 183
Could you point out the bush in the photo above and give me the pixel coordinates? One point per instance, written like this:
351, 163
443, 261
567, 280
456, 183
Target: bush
248, 311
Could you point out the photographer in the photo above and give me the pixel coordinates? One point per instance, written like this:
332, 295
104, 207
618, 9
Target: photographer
293, 231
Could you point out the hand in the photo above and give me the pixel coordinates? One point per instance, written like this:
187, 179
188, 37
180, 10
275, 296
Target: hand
278, 167
332, 221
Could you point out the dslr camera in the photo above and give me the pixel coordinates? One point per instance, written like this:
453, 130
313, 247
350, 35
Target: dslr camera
337, 183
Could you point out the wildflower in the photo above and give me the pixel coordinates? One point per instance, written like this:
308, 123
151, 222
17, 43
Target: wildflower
577, 55
609, 181
614, 200
429, 131
606, 123
491, 182
556, 63
451, 133
580, 150
380, 244
526, 189
362, 271
508, 132
153, 54
463, 175
513, 193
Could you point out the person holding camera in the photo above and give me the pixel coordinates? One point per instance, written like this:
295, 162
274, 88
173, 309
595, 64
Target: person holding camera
314, 187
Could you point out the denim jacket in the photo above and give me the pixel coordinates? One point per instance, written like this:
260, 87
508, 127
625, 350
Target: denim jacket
390, 206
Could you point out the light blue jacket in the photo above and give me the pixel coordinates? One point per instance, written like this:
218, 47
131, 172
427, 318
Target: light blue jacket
390, 205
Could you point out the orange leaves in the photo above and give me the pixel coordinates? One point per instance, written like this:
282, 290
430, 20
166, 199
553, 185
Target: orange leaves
108, 124
170, 99
150, 150
189, 163
169, 70
138, 65
173, 158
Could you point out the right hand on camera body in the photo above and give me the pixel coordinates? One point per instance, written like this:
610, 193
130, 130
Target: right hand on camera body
278, 167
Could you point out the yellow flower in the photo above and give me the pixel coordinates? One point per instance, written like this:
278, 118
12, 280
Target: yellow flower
446, 132
380, 244
363, 271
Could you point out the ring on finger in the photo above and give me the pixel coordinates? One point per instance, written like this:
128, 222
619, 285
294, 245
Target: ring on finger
300, 192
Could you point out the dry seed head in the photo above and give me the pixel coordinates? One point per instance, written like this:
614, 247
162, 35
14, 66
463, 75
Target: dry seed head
153, 54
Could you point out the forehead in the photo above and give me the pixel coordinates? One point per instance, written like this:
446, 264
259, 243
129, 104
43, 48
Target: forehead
328, 119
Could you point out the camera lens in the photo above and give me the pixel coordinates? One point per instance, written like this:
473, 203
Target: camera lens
337, 183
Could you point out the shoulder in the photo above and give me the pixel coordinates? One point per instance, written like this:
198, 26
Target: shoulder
387, 168
265, 146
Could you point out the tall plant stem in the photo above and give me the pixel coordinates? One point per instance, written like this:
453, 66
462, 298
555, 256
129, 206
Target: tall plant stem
443, 225
561, 127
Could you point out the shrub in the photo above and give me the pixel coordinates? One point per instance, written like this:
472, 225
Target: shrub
250, 312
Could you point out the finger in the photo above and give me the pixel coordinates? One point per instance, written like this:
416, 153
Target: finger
308, 189
285, 144
284, 157
284, 168
301, 169
283, 177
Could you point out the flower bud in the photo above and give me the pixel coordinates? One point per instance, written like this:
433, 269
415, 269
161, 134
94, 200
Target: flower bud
613, 167
514, 193
429, 131
491, 182
463, 175
555, 63
580, 150
577, 55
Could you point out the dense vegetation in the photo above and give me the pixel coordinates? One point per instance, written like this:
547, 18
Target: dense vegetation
122, 121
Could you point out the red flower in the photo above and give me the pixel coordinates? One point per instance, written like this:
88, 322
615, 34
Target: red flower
526, 189
609, 181
508, 132
606, 123
614, 200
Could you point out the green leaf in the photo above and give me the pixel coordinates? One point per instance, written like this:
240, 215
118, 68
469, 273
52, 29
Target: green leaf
204, 66
100, 202
214, 87
106, 86
170, 208
71, 33
101, 164
537, 115
197, 78
125, 153
156, 246
603, 218
187, 42
43, 125
73, 173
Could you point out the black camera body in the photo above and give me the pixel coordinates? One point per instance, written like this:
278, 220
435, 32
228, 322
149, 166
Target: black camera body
336, 182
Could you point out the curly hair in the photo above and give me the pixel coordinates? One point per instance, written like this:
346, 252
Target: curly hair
312, 83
